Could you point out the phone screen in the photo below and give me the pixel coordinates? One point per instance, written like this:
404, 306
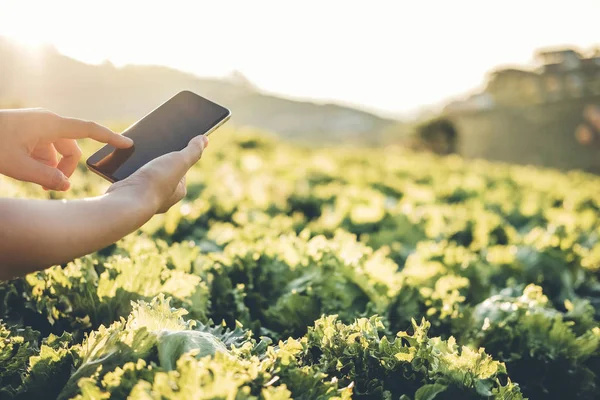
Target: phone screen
168, 128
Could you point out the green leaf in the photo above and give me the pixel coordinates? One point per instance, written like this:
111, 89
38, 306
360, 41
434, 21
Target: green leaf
173, 344
429, 392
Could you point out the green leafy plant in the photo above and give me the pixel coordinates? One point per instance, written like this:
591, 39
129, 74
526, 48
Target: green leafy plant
288, 273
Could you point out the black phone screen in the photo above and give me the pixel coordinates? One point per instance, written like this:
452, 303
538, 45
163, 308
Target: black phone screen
168, 128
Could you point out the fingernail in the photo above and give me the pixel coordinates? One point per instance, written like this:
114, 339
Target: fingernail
65, 185
205, 139
128, 140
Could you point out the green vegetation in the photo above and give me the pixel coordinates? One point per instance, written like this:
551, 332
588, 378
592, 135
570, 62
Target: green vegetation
329, 274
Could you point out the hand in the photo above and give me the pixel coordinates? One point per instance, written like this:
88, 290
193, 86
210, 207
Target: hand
161, 182
32, 139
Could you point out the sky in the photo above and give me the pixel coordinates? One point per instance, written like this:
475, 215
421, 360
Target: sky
392, 57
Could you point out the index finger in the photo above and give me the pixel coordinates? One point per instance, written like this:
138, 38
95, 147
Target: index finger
74, 128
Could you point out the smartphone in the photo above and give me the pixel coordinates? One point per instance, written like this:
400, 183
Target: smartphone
167, 128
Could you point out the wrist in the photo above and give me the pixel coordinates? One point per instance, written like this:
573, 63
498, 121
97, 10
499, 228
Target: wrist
139, 200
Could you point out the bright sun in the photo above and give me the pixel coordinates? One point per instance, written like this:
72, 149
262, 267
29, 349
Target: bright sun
391, 57
30, 42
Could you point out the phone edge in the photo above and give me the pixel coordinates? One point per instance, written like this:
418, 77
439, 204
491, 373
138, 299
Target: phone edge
211, 130
220, 123
97, 172
176, 94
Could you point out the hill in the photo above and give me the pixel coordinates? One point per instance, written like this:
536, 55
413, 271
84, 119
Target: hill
106, 93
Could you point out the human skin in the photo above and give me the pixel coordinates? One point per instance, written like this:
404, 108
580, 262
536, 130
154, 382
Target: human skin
40, 147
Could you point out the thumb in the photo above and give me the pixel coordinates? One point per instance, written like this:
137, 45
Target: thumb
194, 149
42, 174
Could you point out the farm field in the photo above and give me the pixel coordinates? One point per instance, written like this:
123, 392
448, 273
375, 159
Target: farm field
323, 274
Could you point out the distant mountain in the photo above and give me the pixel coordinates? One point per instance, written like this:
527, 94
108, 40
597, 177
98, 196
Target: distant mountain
105, 93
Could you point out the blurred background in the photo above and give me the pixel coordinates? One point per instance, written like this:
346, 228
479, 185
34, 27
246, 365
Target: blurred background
508, 81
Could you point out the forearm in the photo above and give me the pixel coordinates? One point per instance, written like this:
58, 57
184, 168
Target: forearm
36, 234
